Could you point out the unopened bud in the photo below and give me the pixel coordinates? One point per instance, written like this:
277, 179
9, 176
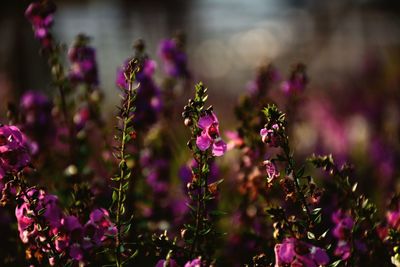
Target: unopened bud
188, 122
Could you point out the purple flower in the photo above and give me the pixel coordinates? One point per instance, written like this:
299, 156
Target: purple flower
36, 110
270, 136
210, 136
166, 263
40, 15
13, 150
272, 171
343, 249
266, 76
343, 224
82, 117
83, 63
297, 81
393, 219
28, 230
174, 59
100, 218
36, 119
294, 252
193, 263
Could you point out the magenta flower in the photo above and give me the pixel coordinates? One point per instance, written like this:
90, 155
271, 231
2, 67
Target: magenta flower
24, 212
393, 219
272, 171
174, 59
40, 15
343, 224
82, 117
166, 263
294, 252
210, 135
100, 218
83, 64
193, 263
235, 140
13, 150
297, 81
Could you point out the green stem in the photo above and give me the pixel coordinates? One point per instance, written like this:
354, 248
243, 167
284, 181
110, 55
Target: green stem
291, 167
122, 166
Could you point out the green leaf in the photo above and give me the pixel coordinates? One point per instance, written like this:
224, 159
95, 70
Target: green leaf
316, 211
336, 263
354, 188
114, 196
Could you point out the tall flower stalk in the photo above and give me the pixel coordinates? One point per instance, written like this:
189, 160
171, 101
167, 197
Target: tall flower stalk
205, 144
122, 180
41, 16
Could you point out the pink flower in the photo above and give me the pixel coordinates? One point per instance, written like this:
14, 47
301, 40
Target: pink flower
100, 219
297, 81
24, 213
166, 263
343, 224
270, 136
174, 59
210, 135
272, 171
193, 263
235, 140
294, 252
393, 219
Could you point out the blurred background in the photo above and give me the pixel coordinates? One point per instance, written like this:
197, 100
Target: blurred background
226, 39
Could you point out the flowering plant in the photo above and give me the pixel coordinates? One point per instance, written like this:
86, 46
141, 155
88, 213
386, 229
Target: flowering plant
74, 193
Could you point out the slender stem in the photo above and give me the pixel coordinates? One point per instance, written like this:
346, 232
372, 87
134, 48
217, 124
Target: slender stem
291, 166
201, 208
120, 198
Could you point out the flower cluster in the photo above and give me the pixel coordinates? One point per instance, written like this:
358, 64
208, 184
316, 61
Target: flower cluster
174, 58
279, 213
393, 219
210, 136
78, 241
83, 62
40, 219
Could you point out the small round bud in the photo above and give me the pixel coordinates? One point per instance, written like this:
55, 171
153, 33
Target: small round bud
188, 122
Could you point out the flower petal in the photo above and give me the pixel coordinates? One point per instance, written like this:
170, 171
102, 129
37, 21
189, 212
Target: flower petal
206, 121
203, 142
286, 251
219, 148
